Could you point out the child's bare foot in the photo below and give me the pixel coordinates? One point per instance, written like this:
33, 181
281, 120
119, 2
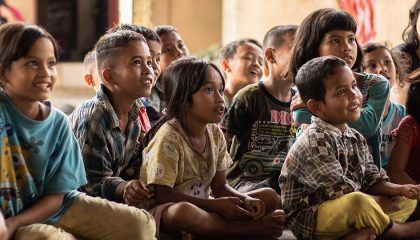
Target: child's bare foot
362, 234
186, 235
271, 226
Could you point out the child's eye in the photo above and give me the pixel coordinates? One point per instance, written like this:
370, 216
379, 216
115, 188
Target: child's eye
341, 92
52, 63
149, 63
137, 62
335, 41
32, 64
352, 39
372, 66
247, 57
181, 45
387, 62
222, 91
210, 90
157, 60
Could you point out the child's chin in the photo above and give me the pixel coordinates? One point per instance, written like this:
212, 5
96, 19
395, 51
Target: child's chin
354, 118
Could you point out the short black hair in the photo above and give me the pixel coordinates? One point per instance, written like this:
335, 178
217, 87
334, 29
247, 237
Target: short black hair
275, 37
310, 79
163, 29
109, 46
147, 33
229, 50
90, 58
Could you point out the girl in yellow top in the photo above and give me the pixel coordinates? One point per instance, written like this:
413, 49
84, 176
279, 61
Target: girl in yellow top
187, 158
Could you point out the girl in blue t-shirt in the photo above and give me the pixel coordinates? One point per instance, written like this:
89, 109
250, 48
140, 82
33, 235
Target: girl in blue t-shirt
41, 164
332, 32
378, 59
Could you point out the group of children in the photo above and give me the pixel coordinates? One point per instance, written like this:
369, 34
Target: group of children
167, 148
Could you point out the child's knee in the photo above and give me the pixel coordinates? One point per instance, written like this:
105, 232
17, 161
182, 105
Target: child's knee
183, 213
141, 224
40, 231
269, 196
360, 201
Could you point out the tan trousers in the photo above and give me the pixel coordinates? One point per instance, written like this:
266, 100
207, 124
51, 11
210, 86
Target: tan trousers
94, 218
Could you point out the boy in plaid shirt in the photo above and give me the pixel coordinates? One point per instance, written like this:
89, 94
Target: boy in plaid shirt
328, 179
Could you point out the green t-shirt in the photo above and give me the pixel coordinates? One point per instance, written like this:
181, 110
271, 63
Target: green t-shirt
263, 133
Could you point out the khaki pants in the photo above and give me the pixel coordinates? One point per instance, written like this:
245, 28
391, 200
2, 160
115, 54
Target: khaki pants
94, 218
341, 216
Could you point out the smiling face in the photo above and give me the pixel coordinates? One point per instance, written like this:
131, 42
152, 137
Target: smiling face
207, 103
133, 74
246, 65
32, 77
343, 100
380, 61
339, 43
155, 51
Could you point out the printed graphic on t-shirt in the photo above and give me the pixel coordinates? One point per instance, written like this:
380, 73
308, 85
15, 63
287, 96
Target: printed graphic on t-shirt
268, 145
14, 173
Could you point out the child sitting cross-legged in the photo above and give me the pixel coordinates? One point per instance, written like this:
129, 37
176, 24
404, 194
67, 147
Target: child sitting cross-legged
329, 183
187, 158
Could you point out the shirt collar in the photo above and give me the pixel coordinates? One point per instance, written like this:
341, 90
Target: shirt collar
102, 97
347, 132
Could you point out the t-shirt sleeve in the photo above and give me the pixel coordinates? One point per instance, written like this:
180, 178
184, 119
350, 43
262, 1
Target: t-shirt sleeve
373, 107
236, 117
302, 116
224, 160
161, 158
406, 130
65, 170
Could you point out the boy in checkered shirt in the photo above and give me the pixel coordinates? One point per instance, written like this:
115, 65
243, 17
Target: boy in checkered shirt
330, 186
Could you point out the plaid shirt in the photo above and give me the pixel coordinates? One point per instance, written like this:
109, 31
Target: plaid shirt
110, 156
324, 163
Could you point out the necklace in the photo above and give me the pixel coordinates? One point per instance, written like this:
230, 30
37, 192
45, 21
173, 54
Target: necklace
200, 151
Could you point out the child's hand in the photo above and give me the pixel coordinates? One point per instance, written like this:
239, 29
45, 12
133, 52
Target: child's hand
231, 208
255, 206
410, 191
135, 192
296, 103
11, 226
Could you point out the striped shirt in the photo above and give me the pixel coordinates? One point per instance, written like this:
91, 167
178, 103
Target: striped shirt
323, 164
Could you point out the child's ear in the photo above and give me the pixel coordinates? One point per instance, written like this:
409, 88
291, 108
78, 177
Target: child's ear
89, 80
314, 107
107, 77
269, 55
224, 63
